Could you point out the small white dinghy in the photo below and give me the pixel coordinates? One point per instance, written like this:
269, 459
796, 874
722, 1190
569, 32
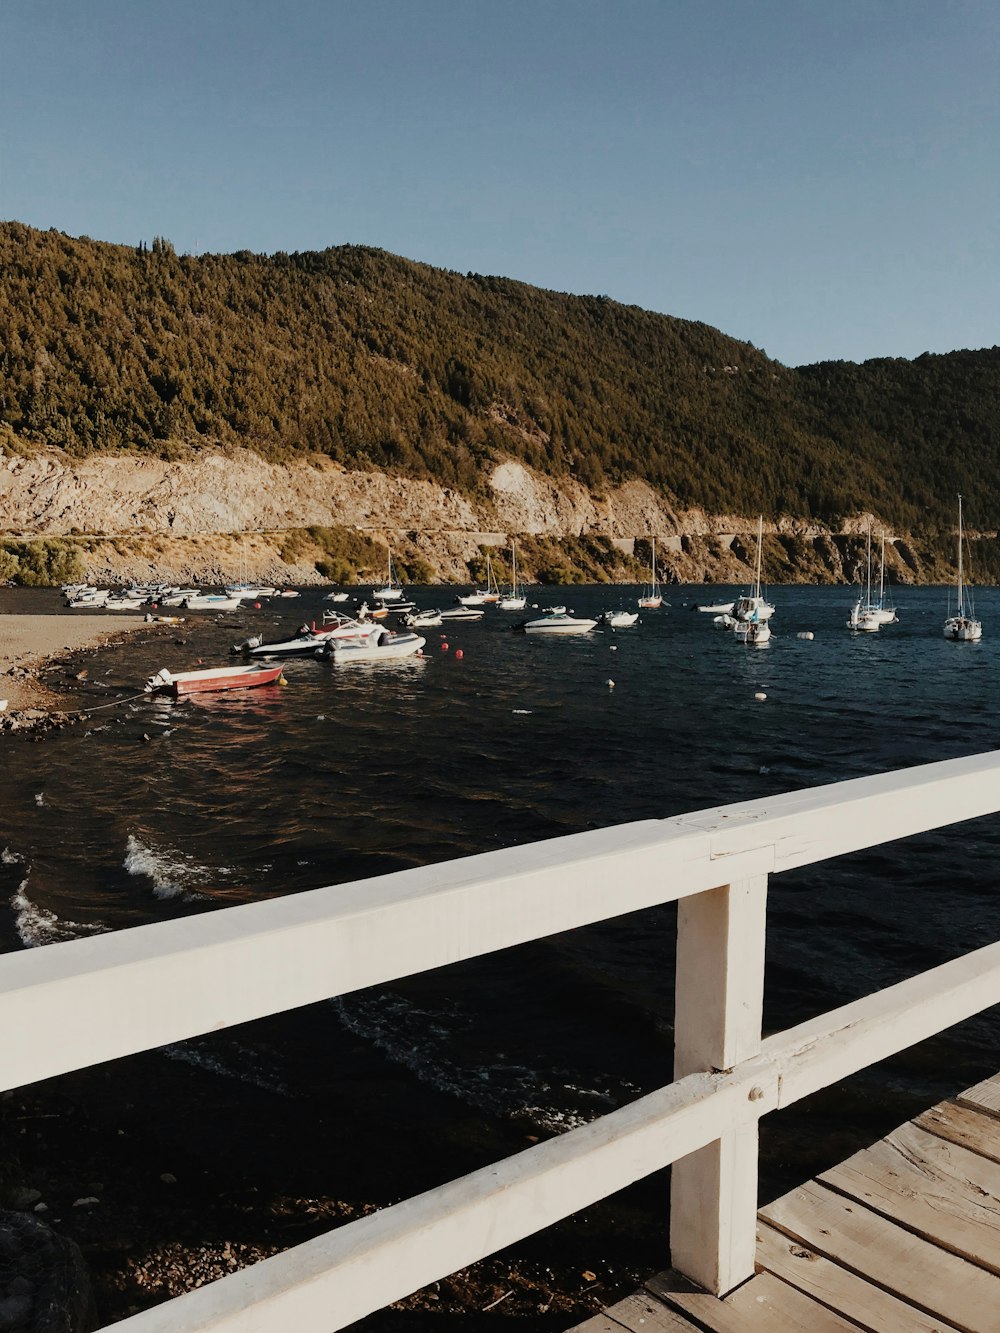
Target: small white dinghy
620, 619
381, 647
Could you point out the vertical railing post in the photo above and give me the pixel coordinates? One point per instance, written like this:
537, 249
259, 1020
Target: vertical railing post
717, 1023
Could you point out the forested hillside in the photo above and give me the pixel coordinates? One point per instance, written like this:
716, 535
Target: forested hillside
380, 362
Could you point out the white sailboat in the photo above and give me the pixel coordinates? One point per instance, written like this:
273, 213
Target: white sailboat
652, 597
752, 607
515, 600
886, 614
483, 596
963, 627
864, 618
391, 591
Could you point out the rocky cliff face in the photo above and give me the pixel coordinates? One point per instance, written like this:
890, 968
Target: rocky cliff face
219, 513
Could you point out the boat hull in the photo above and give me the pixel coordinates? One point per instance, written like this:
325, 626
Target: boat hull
209, 603
213, 680
558, 625
398, 646
960, 629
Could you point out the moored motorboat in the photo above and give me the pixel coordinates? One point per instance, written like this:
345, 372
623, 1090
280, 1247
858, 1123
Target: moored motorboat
89, 599
620, 619
462, 613
381, 647
211, 679
343, 627
422, 618
210, 602
718, 608
558, 624
250, 591
178, 596
310, 637
305, 641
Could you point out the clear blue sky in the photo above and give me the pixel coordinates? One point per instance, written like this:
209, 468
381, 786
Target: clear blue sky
820, 178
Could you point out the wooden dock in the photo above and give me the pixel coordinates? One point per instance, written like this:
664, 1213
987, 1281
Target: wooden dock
903, 1237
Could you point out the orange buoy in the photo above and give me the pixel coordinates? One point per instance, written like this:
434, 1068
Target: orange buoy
444, 647
256, 606
459, 653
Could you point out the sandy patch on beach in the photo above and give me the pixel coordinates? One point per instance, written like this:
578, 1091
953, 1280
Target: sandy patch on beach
27, 641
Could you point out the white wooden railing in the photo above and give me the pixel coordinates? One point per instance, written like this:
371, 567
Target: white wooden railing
75, 1004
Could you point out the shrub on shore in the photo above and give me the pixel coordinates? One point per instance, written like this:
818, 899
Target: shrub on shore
45, 563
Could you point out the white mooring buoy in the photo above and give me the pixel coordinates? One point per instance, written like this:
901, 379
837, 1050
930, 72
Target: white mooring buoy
806, 634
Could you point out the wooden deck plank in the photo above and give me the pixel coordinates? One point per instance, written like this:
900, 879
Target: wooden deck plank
839, 1289
985, 1095
914, 1269
903, 1237
945, 1193
970, 1128
765, 1304
640, 1312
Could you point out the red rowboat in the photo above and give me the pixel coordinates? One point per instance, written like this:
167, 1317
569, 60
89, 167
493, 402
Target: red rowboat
213, 678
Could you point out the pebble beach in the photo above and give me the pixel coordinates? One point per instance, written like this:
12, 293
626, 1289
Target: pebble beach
27, 642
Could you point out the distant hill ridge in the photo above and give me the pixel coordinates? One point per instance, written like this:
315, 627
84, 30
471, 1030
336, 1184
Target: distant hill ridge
380, 362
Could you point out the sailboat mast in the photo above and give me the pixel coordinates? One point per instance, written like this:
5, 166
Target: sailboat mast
654, 567
961, 599
881, 575
868, 590
760, 548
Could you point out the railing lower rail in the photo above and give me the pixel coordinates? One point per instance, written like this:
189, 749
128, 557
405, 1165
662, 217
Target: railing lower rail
79, 1003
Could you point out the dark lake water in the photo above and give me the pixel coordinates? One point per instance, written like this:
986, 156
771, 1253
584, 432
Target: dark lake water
352, 772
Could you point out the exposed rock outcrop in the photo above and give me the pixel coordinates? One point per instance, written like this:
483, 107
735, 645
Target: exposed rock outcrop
222, 513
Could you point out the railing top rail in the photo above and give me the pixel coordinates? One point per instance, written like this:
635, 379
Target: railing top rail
82, 1002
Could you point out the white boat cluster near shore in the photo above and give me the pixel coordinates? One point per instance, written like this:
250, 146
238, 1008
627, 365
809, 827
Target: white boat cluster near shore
87, 597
